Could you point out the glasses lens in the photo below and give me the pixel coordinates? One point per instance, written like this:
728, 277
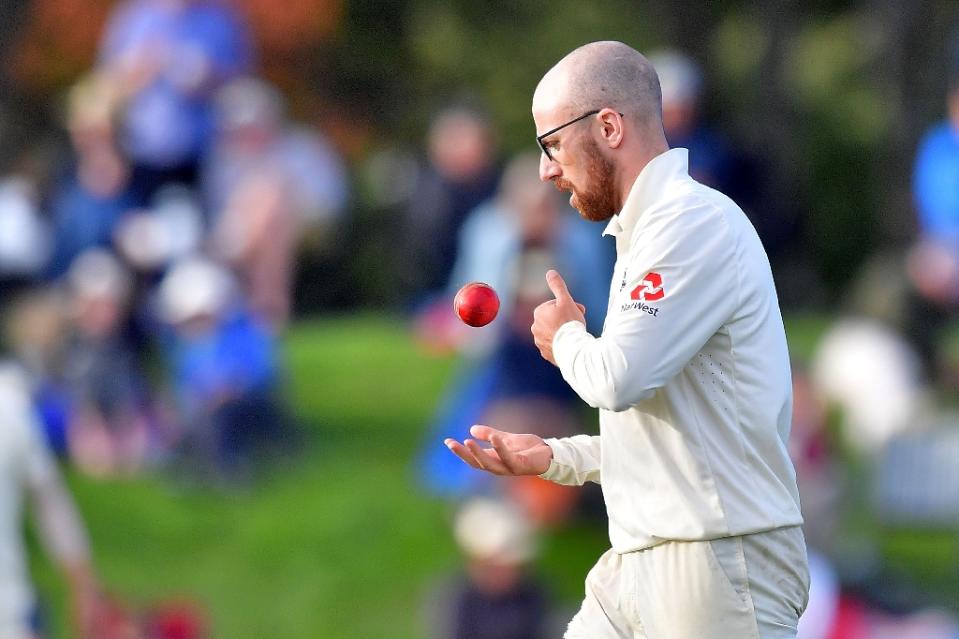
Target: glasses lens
542, 147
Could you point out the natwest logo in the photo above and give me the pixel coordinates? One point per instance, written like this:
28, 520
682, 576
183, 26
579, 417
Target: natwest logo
650, 289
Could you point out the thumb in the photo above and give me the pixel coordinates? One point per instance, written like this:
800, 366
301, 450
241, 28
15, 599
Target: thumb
556, 284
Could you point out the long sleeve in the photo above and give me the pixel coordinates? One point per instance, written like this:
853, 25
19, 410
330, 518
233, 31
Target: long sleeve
576, 460
679, 285
59, 524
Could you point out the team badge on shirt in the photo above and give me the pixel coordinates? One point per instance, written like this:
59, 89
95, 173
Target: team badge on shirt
650, 289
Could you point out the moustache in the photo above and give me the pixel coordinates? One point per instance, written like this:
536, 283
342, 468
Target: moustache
562, 184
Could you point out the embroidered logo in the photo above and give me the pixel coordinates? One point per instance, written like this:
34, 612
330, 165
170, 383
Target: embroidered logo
650, 289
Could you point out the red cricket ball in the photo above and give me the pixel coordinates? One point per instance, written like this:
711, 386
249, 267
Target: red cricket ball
476, 304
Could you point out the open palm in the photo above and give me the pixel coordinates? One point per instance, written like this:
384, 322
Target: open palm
510, 454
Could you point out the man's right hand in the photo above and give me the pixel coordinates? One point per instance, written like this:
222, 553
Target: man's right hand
510, 454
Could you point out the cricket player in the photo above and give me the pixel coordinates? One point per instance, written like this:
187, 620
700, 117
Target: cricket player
29, 476
690, 375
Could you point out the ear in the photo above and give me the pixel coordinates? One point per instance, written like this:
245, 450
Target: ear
612, 127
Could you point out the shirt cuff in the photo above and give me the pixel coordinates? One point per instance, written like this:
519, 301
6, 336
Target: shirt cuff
555, 466
562, 469
565, 341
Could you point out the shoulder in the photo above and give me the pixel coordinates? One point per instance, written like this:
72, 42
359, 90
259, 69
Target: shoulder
694, 225
691, 207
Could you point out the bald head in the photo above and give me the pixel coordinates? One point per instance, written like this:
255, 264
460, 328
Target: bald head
603, 74
598, 161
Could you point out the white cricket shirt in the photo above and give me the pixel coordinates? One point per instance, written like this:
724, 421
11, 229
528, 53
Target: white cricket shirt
691, 373
25, 464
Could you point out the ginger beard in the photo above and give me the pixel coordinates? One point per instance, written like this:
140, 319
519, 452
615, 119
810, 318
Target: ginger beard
597, 203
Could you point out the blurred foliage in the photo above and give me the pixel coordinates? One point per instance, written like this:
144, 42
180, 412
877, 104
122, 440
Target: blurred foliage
498, 51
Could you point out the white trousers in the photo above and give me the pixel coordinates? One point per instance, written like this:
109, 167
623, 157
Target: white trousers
749, 587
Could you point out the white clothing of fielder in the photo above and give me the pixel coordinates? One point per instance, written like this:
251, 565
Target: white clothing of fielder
29, 472
691, 375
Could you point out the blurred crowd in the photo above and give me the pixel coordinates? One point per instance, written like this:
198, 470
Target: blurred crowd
147, 273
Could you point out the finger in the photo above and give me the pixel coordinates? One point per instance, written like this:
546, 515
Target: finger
487, 459
483, 432
463, 453
556, 284
480, 459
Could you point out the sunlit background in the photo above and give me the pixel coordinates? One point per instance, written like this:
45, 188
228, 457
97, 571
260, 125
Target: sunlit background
230, 234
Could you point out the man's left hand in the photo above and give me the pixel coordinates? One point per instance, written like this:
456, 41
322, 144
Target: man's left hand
550, 315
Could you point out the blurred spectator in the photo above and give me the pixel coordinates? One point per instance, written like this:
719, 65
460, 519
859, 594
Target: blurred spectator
225, 369
510, 242
109, 420
177, 620
936, 177
171, 228
170, 57
503, 242
933, 261
36, 330
265, 183
713, 159
527, 225
855, 618
461, 173
818, 621
819, 472
710, 158
874, 377
917, 480
496, 598
821, 485
89, 203
28, 474
24, 241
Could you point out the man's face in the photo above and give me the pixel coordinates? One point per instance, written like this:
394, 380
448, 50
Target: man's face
579, 167
577, 163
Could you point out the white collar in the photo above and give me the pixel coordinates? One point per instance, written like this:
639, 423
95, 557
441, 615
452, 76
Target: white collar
649, 185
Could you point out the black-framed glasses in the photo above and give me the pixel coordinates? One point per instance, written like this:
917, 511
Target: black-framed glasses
539, 138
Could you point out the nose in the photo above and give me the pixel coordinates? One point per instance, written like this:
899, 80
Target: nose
548, 169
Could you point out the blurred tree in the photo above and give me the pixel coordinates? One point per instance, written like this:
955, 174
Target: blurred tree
56, 43
499, 51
